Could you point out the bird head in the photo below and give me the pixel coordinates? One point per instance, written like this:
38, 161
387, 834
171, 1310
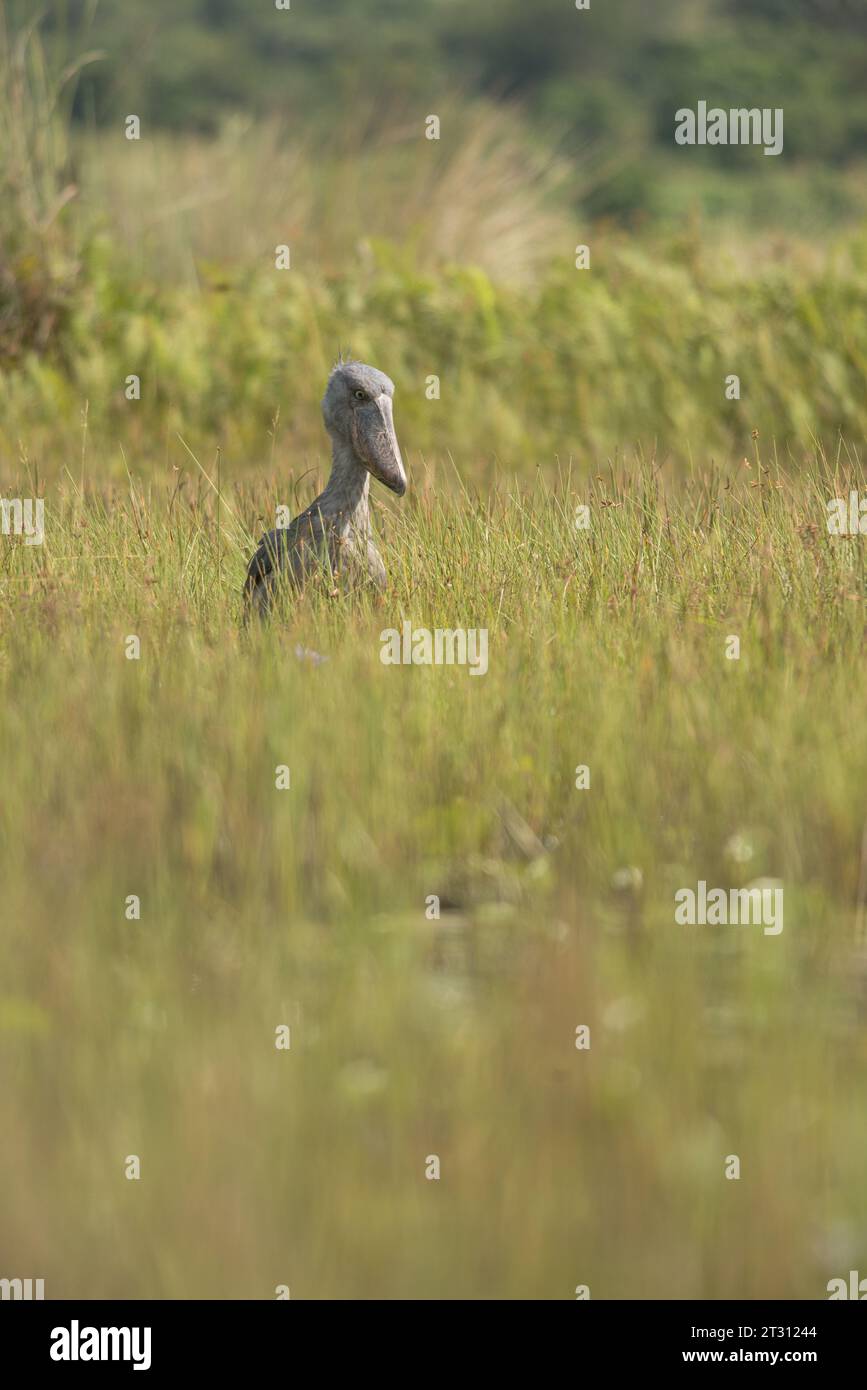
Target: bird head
357, 409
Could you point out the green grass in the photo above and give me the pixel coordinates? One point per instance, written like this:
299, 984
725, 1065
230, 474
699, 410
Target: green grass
453, 259
454, 1037
583, 366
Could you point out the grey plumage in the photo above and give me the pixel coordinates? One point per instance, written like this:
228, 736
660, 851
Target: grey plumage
334, 533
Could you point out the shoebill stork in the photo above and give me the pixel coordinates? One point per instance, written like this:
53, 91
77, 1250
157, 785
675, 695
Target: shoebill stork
334, 532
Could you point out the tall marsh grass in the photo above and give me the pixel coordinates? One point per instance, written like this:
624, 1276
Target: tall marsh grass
40, 249
456, 1037
484, 194
450, 259
582, 367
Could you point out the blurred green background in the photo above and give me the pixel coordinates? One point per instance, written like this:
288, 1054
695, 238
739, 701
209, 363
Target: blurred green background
453, 258
601, 83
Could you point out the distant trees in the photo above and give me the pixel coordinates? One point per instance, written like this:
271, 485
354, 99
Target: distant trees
609, 78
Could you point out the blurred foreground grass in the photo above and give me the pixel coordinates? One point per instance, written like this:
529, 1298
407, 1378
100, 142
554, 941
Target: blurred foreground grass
306, 907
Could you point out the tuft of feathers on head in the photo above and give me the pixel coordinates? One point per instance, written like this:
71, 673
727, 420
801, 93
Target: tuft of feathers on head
343, 360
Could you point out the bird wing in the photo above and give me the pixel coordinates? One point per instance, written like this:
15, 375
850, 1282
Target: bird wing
290, 550
264, 562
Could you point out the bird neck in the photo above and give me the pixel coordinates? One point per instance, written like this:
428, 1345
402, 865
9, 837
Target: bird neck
345, 498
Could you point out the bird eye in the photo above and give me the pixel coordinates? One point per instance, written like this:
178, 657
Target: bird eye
360, 395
